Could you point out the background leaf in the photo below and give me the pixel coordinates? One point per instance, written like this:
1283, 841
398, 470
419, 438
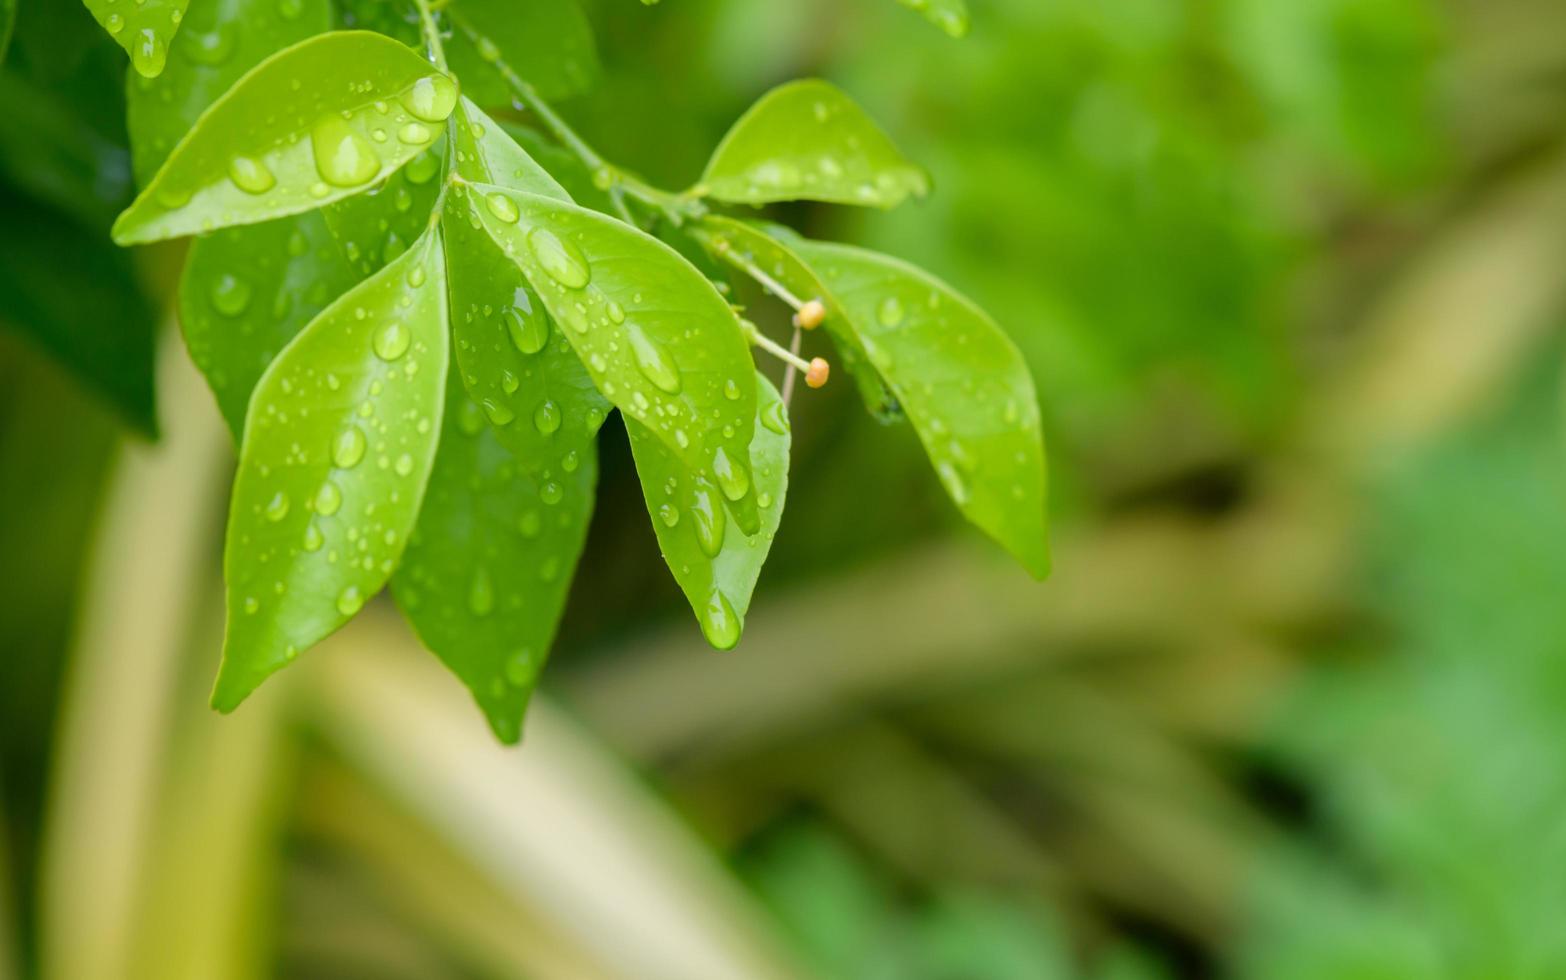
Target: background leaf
808, 141
950, 16
962, 383
273, 146
548, 43
7, 24
145, 30
716, 567
336, 452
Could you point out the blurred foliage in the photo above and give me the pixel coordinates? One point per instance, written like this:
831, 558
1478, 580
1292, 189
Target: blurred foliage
1291, 706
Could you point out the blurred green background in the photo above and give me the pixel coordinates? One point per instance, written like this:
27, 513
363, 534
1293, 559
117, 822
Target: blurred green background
1293, 705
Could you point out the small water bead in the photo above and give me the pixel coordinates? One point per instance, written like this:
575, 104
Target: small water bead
481, 593
230, 295
890, 312
669, 514
277, 507
422, 168
290, 9
615, 311
764, 500
414, 134
404, 464
250, 175
732, 477
431, 98
710, 523
252, 606
509, 382
775, 418
328, 499
547, 418
350, 600
392, 341
343, 157
551, 493
731, 390
720, 624
654, 362
313, 538
529, 330
416, 276
149, 53
502, 207
349, 447
530, 524
211, 48
114, 23
570, 462
562, 261
497, 412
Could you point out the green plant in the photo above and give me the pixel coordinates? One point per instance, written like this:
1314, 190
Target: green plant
415, 331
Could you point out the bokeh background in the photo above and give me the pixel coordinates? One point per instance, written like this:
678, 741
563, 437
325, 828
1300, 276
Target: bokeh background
1289, 274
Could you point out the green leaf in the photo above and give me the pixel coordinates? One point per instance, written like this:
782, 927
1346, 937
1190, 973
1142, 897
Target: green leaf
89, 312
317, 122
246, 292
143, 29
716, 566
807, 141
375, 227
219, 40
741, 243
656, 337
49, 150
486, 575
487, 153
564, 166
950, 16
7, 22
338, 446
962, 383
547, 43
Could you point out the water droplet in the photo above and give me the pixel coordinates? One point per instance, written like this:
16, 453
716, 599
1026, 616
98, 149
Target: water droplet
430, 98
481, 593
570, 462
349, 447
732, 477
422, 168
277, 507
519, 668
404, 464
655, 363
529, 328
547, 418
149, 53
890, 312
710, 523
498, 412
669, 514
328, 499
230, 295
350, 600
250, 175
416, 276
502, 207
211, 48
551, 493
530, 524
414, 134
719, 622
731, 390
115, 23
313, 538
392, 341
563, 262
509, 382
252, 606
775, 417
343, 157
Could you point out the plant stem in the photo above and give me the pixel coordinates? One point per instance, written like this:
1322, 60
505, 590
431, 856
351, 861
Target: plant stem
431, 31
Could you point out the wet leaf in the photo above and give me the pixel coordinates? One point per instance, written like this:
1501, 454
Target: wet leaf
950, 16
547, 43
247, 291
219, 40
740, 243
144, 29
715, 565
486, 575
962, 383
375, 227
807, 141
657, 339
338, 446
317, 122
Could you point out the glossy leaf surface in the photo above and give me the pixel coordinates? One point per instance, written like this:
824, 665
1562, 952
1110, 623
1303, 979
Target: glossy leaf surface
962, 383
317, 122
338, 445
657, 339
487, 572
950, 16
741, 243
487, 153
807, 140
218, 41
246, 292
375, 227
144, 29
547, 43
716, 565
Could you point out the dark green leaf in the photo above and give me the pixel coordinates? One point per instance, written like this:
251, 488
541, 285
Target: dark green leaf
742, 243
950, 16
338, 446
247, 291
962, 383
219, 40
716, 566
317, 122
658, 340
547, 43
51, 152
144, 28
89, 313
807, 141
7, 22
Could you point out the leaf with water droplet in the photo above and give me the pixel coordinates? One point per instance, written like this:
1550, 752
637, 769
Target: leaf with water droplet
487, 154
373, 228
808, 141
485, 579
950, 16
657, 339
547, 42
219, 41
741, 243
962, 383
337, 541
287, 271
144, 28
715, 565
307, 115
